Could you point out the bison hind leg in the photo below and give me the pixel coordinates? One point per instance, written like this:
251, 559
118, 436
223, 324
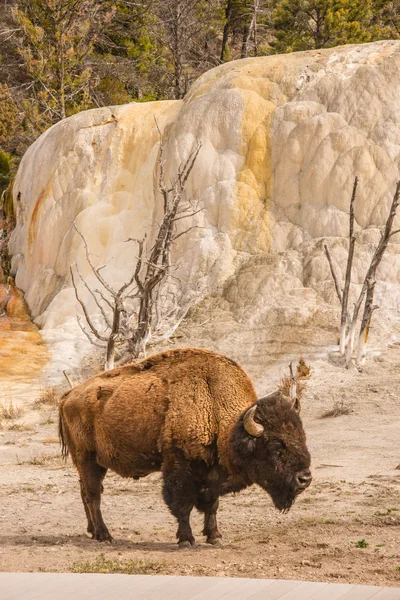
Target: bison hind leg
91, 478
90, 527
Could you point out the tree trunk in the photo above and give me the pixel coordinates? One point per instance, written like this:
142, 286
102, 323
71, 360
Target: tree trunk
365, 324
371, 275
225, 35
177, 53
138, 341
61, 62
110, 355
345, 297
243, 53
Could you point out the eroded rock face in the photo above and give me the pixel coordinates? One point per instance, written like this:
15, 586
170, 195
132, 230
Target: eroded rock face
282, 139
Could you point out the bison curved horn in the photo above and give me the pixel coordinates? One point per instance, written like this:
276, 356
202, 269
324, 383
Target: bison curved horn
253, 428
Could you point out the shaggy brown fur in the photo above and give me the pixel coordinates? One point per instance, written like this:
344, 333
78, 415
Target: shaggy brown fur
178, 411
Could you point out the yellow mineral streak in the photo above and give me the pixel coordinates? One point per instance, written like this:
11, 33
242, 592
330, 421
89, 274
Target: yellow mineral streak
141, 137
254, 182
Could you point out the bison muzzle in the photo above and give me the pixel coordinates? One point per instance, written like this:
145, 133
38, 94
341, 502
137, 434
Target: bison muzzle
194, 415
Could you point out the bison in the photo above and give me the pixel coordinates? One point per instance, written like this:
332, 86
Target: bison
194, 415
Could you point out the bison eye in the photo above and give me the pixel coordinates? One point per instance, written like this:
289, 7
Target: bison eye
278, 445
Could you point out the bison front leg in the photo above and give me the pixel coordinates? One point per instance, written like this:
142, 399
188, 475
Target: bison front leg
207, 501
91, 477
179, 495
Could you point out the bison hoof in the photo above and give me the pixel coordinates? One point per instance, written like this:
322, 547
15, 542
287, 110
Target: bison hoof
186, 544
105, 537
215, 541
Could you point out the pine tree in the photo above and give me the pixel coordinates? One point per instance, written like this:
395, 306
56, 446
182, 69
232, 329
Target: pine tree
312, 24
56, 37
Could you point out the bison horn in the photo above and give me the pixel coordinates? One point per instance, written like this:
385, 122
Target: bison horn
253, 428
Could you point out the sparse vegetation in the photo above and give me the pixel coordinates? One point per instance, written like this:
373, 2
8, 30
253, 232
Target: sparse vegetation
10, 411
362, 544
102, 564
303, 372
19, 427
49, 396
50, 440
38, 459
340, 407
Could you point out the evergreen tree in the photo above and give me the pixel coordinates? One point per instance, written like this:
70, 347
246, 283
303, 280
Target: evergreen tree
385, 19
311, 24
56, 38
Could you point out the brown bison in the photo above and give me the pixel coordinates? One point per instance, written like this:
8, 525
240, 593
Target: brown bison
194, 415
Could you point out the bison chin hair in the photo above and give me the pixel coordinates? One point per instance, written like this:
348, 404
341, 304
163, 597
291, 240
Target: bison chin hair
282, 501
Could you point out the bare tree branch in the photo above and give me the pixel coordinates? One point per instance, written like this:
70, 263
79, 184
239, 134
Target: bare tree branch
175, 237
85, 312
98, 304
95, 271
71, 385
78, 318
333, 273
148, 275
103, 297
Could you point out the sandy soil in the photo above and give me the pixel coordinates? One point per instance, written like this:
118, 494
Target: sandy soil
345, 528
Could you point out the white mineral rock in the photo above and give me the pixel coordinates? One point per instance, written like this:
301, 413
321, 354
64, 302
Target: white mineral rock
282, 140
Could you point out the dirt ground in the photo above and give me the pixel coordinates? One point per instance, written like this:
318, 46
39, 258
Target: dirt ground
345, 528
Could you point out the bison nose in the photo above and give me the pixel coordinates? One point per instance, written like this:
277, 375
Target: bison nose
303, 478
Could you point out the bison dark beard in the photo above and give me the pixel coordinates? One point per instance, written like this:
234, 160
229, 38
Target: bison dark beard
283, 498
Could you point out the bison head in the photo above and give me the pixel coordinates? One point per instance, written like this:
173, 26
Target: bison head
269, 448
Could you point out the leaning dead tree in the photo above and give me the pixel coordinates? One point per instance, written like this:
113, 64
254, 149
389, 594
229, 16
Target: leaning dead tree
348, 321
133, 314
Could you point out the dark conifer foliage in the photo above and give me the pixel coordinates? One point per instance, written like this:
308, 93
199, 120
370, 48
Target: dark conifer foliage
58, 57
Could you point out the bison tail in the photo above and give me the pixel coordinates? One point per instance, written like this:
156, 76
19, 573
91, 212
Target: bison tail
64, 447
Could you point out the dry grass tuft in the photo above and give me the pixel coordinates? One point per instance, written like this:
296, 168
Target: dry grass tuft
101, 564
10, 412
50, 440
340, 407
39, 459
303, 370
19, 427
49, 396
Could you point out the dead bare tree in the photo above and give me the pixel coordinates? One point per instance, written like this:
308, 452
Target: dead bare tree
368, 287
343, 295
348, 322
176, 207
131, 314
111, 323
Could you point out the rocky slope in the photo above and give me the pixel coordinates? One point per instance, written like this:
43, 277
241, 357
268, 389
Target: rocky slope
282, 139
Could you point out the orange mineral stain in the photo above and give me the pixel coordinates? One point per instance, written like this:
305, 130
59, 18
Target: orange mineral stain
23, 353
